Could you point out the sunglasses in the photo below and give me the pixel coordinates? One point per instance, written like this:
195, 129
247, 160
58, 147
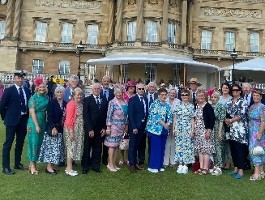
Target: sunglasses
236, 90
140, 88
184, 95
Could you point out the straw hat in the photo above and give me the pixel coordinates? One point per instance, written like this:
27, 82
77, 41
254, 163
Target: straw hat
195, 81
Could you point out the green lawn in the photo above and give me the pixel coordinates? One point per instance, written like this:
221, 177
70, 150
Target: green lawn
124, 185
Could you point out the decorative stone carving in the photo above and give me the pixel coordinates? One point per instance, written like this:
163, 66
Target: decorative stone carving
231, 12
153, 1
88, 5
131, 2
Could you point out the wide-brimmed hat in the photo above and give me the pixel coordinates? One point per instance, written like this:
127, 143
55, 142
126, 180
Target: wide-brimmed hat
130, 84
194, 81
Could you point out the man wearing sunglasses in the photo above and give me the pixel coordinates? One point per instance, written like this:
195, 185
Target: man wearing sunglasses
137, 115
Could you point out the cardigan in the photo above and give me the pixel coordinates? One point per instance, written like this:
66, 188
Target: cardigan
71, 112
208, 116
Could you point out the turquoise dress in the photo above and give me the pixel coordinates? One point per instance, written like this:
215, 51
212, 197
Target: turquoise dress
39, 104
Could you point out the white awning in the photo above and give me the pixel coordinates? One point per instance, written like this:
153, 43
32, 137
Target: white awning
119, 59
256, 64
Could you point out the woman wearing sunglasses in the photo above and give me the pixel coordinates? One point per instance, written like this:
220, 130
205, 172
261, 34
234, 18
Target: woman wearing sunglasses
184, 131
236, 119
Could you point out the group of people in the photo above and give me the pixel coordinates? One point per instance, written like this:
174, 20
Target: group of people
200, 126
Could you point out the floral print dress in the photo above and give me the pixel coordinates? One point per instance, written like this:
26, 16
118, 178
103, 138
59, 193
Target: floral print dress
256, 116
184, 112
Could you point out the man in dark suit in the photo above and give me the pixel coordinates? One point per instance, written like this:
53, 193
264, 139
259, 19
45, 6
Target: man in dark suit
95, 113
137, 115
150, 95
108, 93
14, 112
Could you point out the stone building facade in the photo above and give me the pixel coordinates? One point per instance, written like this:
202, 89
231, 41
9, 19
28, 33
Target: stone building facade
41, 36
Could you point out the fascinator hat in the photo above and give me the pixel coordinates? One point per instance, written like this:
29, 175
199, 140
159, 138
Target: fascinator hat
118, 88
38, 81
130, 84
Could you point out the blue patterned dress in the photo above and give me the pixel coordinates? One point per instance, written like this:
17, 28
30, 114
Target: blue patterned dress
184, 143
256, 116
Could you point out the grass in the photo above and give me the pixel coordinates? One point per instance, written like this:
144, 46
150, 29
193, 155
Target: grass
124, 185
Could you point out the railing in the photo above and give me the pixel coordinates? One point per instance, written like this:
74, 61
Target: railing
176, 46
208, 52
152, 44
126, 44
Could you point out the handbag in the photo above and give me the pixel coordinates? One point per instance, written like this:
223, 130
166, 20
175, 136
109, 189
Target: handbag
258, 150
124, 145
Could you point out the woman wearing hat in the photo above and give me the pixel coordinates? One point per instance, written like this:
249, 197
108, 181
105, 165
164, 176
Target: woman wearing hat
36, 122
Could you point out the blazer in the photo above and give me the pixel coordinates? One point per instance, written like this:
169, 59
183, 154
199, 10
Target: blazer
111, 94
208, 116
68, 95
136, 116
55, 115
10, 105
94, 117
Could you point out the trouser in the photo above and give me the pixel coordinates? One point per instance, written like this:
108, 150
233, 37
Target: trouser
20, 131
157, 151
238, 154
92, 159
170, 149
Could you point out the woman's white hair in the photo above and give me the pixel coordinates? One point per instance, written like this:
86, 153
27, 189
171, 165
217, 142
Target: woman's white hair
59, 88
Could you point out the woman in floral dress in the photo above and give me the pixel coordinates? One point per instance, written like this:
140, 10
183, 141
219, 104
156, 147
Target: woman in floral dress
36, 122
256, 116
204, 124
116, 125
184, 131
74, 131
236, 119
218, 132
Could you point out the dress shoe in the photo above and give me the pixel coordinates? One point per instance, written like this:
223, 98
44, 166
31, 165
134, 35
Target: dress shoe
8, 171
97, 170
141, 162
132, 168
138, 167
50, 172
20, 167
84, 171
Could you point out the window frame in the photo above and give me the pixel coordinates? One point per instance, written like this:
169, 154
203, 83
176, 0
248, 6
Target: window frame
64, 64
208, 44
91, 37
38, 70
131, 31
150, 72
153, 37
257, 44
42, 36
69, 38
169, 32
3, 22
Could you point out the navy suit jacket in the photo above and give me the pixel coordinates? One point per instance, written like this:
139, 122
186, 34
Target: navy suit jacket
94, 117
55, 115
135, 114
10, 105
111, 94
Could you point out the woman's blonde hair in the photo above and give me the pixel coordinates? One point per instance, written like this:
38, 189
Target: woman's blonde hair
77, 90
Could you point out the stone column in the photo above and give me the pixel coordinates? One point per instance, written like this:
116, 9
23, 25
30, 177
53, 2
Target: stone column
8, 19
118, 29
17, 21
165, 21
190, 31
111, 21
140, 20
184, 22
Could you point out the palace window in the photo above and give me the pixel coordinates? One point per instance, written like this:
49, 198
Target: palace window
67, 33
64, 67
151, 31
2, 29
230, 41
150, 72
171, 33
41, 31
254, 42
131, 31
92, 34
37, 66
206, 39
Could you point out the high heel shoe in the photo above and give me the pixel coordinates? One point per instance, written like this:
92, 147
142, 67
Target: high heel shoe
110, 169
35, 172
255, 178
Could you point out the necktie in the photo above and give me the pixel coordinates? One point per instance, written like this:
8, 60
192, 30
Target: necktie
98, 102
22, 101
105, 94
151, 100
194, 99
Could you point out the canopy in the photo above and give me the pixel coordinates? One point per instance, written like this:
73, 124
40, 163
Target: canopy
256, 64
119, 59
